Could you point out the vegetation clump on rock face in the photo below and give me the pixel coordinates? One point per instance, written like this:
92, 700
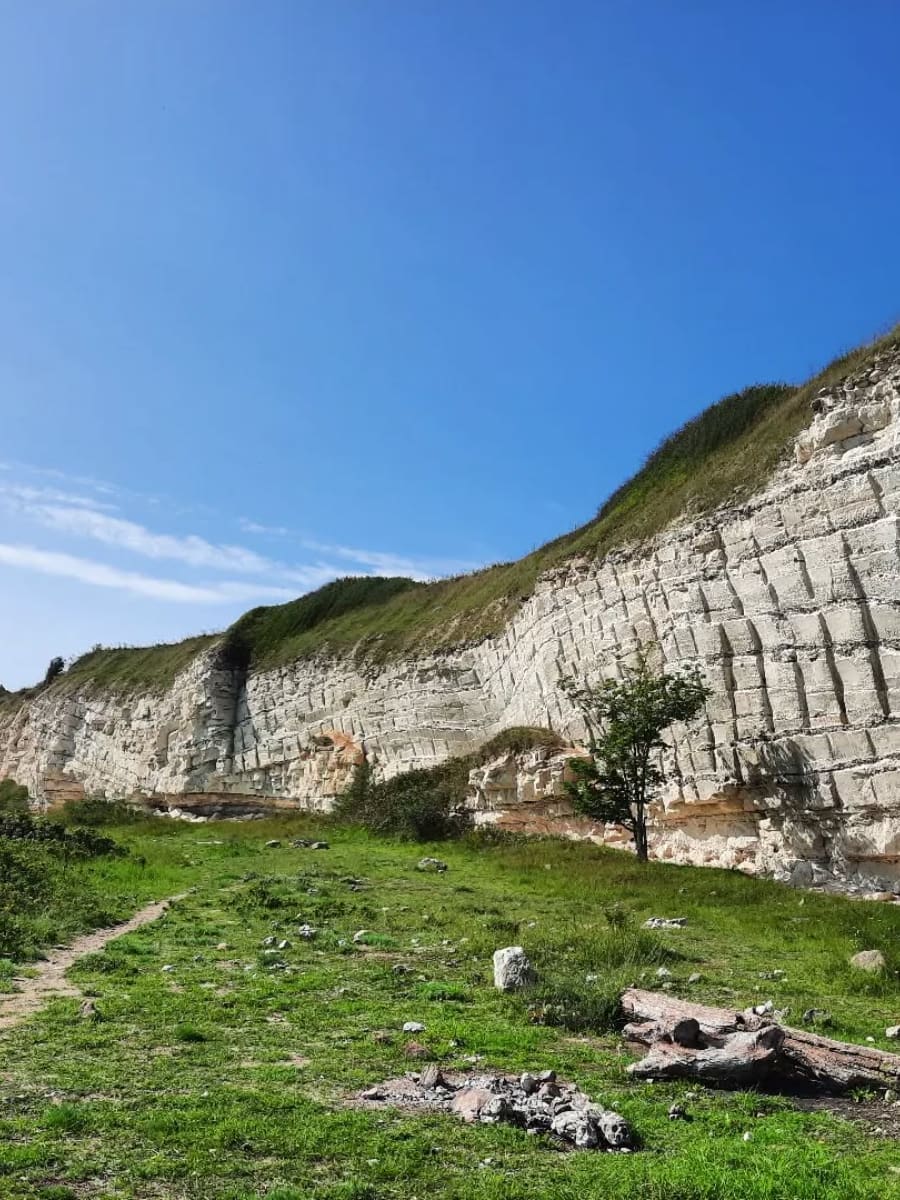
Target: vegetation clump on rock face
429, 804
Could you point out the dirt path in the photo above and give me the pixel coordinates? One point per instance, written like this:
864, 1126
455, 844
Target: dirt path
51, 981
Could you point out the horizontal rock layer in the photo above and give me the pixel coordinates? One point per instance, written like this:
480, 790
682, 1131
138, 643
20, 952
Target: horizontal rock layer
789, 602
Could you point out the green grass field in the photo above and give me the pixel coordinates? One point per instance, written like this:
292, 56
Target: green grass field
226, 1077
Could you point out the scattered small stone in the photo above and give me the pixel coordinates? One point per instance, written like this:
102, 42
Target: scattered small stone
401, 969
168, 967
677, 1112
373, 1093
815, 1016
89, 1011
360, 935
469, 1102
273, 844
381, 1037
868, 960
663, 973
695, 977
269, 941
430, 864
284, 944
665, 923
528, 1083
300, 843
431, 1078
307, 932
892, 1031
319, 846
763, 1010
413, 1027
222, 946
569, 1115
512, 969
748, 1136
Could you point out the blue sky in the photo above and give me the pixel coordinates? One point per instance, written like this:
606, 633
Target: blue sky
292, 290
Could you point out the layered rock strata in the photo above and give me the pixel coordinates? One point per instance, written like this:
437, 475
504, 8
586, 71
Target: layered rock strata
789, 602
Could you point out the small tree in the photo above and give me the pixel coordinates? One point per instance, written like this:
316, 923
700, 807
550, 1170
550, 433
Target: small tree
54, 670
625, 720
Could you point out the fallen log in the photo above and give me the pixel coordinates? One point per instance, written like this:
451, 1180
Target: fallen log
739, 1049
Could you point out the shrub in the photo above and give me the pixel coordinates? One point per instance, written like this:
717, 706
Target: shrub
421, 806
75, 843
429, 804
13, 797
94, 811
55, 668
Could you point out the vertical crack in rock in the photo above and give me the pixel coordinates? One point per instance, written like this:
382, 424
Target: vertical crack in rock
804, 572
728, 676
870, 633
836, 682
735, 598
756, 642
803, 702
877, 492
767, 582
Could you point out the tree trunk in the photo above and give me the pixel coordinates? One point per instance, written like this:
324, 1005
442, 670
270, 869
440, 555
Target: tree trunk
736, 1048
640, 832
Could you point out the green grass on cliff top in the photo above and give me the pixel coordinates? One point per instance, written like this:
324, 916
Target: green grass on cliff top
220, 1070
719, 457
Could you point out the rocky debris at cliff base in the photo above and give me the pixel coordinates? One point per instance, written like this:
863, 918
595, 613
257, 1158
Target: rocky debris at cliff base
512, 969
537, 1104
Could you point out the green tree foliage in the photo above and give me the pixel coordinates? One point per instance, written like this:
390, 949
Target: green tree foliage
13, 797
55, 668
626, 719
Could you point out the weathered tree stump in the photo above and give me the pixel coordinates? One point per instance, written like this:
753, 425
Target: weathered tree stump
740, 1049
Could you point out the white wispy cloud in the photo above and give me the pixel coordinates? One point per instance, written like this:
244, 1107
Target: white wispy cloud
26, 494
74, 514
129, 535
257, 527
85, 570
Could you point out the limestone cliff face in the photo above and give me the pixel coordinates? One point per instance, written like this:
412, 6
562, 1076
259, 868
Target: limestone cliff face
790, 603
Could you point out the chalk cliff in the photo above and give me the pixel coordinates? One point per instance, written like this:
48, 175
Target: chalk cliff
789, 601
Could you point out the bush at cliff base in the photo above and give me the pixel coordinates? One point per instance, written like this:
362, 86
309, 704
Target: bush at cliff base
41, 873
420, 806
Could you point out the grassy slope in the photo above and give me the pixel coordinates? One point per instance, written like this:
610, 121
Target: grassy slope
722, 455
224, 1079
